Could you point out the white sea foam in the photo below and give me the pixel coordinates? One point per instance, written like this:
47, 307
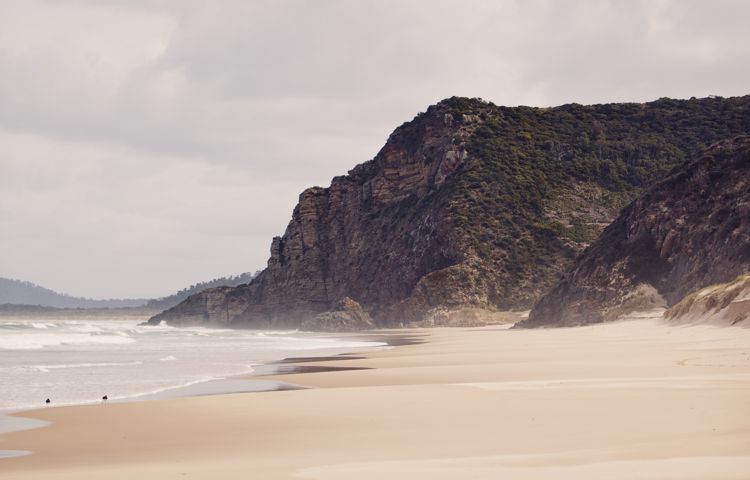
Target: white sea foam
24, 341
47, 368
43, 326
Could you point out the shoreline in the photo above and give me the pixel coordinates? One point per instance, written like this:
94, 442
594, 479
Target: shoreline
15, 420
173, 386
585, 402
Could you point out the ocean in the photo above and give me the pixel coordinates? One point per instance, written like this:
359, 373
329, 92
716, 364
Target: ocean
78, 361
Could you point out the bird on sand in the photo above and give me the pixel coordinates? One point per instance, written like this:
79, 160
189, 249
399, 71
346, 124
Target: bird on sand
105, 398
47, 402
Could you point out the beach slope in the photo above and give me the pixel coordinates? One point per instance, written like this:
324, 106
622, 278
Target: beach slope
635, 399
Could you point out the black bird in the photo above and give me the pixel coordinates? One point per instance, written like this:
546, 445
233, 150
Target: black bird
47, 402
105, 398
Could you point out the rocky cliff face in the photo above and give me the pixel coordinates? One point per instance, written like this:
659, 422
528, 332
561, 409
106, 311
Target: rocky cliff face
468, 207
687, 232
372, 235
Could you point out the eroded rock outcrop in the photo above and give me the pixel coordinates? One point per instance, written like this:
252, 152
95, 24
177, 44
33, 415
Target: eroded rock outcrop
687, 232
349, 316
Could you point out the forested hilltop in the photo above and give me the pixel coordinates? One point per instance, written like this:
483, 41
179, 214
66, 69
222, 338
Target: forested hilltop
468, 209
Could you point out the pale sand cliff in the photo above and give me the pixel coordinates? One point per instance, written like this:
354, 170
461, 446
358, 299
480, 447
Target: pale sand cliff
721, 304
635, 399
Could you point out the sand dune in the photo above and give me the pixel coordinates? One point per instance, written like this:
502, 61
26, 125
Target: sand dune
634, 399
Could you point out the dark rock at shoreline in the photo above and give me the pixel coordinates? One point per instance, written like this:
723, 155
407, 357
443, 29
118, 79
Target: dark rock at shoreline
349, 316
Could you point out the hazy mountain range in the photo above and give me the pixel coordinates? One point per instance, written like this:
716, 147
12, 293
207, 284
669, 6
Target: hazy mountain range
18, 292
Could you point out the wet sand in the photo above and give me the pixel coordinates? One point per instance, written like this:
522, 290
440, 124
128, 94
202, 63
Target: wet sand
634, 399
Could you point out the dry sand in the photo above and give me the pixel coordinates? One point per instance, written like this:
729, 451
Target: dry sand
629, 400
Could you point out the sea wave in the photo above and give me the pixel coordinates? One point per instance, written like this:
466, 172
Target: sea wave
78, 360
23, 341
47, 368
43, 325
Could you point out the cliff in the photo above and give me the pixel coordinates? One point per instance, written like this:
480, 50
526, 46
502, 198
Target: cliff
468, 207
689, 231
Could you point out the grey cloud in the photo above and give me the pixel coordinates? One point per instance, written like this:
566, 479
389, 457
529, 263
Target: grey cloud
156, 144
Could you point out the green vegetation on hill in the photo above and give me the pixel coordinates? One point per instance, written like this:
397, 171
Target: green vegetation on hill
689, 231
543, 182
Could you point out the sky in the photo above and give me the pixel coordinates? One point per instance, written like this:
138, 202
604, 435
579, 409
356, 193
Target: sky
149, 145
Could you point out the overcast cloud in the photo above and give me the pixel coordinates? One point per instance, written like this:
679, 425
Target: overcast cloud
145, 146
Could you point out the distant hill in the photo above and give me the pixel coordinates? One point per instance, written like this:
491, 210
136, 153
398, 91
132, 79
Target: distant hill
26, 293
19, 293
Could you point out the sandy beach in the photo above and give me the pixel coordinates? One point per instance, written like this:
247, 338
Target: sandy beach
633, 399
